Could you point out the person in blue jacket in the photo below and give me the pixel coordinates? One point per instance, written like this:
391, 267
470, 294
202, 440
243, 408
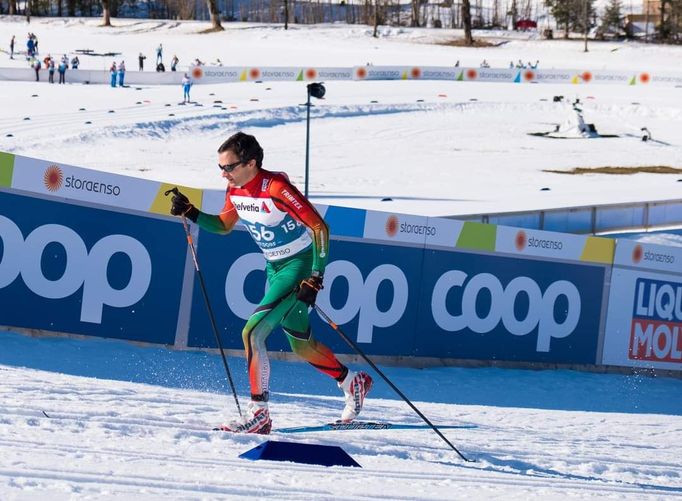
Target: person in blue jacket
113, 71
121, 73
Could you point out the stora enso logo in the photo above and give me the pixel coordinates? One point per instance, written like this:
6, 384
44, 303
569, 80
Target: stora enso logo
53, 178
392, 226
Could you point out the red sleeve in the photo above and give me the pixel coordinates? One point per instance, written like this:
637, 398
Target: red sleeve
287, 198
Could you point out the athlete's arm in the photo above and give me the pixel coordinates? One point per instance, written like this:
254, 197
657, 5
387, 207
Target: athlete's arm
287, 198
219, 223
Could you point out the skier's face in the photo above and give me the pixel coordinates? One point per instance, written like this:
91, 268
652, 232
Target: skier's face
236, 173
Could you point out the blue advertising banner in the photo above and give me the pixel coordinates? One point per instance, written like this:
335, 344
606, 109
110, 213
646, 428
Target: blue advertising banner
75, 269
498, 308
370, 290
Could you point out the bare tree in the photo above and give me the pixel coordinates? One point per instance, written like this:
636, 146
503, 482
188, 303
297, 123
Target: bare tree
286, 14
514, 14
215, 16
414, 13
12, 7
106, 17
466, 20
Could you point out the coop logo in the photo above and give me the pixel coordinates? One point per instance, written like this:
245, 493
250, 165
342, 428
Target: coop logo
657, 321
540, 314
82, 270
361, 300
53, 178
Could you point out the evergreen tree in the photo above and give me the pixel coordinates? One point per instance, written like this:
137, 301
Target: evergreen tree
612, 17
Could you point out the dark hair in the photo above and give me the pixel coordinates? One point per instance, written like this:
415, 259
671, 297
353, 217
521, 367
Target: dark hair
245, 146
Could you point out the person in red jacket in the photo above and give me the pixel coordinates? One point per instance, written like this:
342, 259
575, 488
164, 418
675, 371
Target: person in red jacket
294, 239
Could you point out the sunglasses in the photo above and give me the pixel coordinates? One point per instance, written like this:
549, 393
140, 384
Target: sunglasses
230, 167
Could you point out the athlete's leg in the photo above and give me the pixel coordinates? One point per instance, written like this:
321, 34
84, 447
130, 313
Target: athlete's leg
296, 325
283, 276
267, 316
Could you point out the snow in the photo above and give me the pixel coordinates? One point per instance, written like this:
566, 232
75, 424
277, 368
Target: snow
133, 422
128, 422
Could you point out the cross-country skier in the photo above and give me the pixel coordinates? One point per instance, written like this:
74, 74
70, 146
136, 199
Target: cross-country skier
294, 239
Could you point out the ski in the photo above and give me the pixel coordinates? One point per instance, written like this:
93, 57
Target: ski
369, 425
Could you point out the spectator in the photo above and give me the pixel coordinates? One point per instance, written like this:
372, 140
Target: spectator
140, 60
121, 73
62, 71
186, 85
36, 66
30, 47
11, 48
198, 62
174, 62
484, 64
159, 54
65, 60
511, 65
113, 72
457, 64
75, 62
50, 69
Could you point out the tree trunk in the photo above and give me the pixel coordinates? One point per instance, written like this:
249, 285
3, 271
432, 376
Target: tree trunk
466, 20
215, 16
376, 19
414, 14
286, 14
106, 17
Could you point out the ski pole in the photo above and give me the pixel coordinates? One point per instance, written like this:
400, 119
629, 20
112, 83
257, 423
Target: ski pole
190, 243
354, 345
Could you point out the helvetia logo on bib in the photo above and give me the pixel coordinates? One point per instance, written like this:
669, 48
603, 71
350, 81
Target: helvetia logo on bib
53, 178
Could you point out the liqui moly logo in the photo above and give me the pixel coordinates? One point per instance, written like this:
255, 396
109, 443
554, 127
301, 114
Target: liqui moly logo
657, 321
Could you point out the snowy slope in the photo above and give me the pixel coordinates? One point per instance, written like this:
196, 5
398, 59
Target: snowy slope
134, 423
548, 435
433, 148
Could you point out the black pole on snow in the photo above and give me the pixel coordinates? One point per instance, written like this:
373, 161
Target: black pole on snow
316, 90
354, 345
190, 243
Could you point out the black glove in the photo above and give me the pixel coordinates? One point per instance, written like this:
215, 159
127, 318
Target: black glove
181, 206
308, 289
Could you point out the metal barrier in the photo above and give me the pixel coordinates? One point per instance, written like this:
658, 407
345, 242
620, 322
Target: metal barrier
594, 219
